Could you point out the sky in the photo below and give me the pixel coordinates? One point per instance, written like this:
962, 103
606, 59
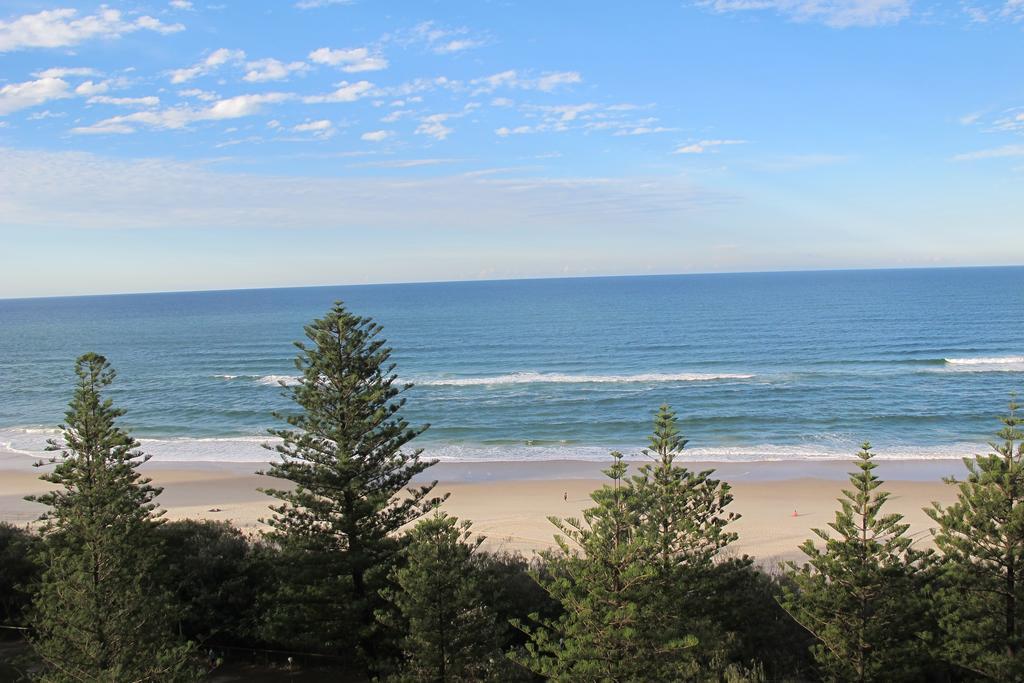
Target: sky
186, 145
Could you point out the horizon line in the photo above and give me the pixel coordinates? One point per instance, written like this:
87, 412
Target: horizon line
511, 279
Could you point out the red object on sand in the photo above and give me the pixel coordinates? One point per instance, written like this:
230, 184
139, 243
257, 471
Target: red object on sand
794, 514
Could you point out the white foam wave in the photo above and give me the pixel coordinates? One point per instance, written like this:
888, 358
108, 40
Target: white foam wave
563, 378
274, 380
756, 453
266, 380
992, 364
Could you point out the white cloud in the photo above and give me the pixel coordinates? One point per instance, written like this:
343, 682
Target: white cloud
181, 4
47, 114
63, 28
551, 81
313, 4
16, 96
350, 60
149, 101
505, 131
65, 71
89, 88
502, 102
1012, 10
204, 95
994, 153
215, 59
834, 13
705, 145
395, 115
644, 130
457, 45
346, 92
433, 126
102, 193
547, 82
271, 69
376, 135
320, 129
441, 40
180, 117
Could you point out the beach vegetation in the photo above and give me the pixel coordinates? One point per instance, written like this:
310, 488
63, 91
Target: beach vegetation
981, 537
449, 632
862, 592
98, 612
344, 454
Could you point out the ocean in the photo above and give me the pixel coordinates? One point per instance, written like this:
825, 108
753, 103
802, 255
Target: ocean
759, 366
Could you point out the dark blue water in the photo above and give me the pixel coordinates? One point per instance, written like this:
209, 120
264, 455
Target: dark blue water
760, 366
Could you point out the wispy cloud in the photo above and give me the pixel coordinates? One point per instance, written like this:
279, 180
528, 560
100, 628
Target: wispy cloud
213, 61
349, 60
433, 125
376, 135
177, 118
993, 153
834, 13
705, 145
546, 82
262, 70
149, 101
322, 129
64, 28
100, 192
313, 4
346, 92
440, 39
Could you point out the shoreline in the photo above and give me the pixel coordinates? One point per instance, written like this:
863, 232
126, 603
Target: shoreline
510, 502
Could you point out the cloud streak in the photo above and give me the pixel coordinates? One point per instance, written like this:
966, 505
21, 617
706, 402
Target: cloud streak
64, 28
101, 193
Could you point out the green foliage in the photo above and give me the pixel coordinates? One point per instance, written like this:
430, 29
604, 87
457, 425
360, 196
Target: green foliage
683, 514
638, 577
982, 539
511, 593
861, 597
605, 576
217, 576
97, 615
450, 635
18, 572
343, 453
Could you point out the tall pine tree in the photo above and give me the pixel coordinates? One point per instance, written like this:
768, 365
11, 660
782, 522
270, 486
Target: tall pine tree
344, 452
605, 574
860, 596
450, 634
97, 614
683, 512
981, 536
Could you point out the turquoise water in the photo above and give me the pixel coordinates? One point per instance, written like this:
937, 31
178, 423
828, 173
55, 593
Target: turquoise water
760, 366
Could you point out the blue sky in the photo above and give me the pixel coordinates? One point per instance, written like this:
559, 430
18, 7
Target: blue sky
192, 145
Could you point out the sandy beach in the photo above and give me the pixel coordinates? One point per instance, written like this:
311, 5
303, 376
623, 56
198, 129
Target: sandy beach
509, 502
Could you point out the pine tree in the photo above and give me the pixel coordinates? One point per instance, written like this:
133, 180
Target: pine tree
450, 635
97, 615
685, 509
605, 575
981, 537
683, 513
860, 596
343, 452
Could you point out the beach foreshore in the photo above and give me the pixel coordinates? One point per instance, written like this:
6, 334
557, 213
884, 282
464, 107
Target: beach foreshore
510, 502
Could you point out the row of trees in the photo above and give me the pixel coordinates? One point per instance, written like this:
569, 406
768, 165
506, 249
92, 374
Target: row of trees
359, 564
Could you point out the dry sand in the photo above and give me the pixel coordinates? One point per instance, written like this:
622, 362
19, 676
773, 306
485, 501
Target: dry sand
510, 502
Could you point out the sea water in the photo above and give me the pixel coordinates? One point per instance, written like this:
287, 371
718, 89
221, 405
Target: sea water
759, 366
